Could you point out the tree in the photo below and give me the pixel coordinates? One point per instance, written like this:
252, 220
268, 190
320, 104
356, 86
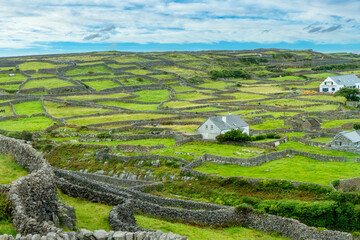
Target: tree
351, 94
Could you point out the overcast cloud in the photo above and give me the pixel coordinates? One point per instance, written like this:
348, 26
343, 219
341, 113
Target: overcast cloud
26, 25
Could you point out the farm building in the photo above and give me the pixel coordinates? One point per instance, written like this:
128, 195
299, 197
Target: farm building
334, 83
346, 141
215, 126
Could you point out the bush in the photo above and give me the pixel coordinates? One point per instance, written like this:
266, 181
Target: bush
341, 66
5, 214
356, 126
234, 135
273, 135
335, 183
215, 74
103, 135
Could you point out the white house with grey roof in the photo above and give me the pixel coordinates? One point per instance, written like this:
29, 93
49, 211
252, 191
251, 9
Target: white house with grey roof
335, 83
215, 126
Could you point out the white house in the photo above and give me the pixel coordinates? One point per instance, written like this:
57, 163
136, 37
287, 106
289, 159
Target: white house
219, 125
334, 83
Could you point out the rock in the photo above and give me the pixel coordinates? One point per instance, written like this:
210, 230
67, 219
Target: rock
4, 237
129, 236
51, 236
100, 234
119, 235
36, 237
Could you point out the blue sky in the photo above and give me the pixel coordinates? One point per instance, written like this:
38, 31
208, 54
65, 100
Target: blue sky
62, 26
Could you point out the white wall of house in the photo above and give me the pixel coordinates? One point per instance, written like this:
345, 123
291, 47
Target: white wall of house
209, 130
329, 86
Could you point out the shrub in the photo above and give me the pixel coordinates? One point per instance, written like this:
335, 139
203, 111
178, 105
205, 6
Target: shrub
244, 207
356, 126
215, 74
103, 135
335, 183
273, 135
236, 135
5, 214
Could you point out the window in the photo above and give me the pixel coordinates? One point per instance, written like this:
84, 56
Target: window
211, 127
206, 126
333, 89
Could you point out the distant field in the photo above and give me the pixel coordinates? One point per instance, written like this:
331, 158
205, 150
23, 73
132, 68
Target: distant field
29, 124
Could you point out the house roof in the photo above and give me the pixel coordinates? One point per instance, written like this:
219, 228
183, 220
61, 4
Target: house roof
346, 80
231, 121
353, 136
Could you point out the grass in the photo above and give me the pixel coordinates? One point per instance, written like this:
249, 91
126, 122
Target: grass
28, 108
90, 77
295, 134
9, 170
296, 69
325, 97
37, 65
263, 88
269, 124
102, 84
152, 95
204, 109
10, 86
192, 96
180, 71
114, 65
321, 139
62, 110
133, 106
8, 111
337, 123
130, 58
116, 117
139, 71
203, 233
283, 102
93, 96
324, 107
136, 81
4, 78
197, 149
86, 211
144, 142
179, 57
184, 128
29, 124
288, 78
297, 169
47, 83
7, 228
314, 84
89, 70
317, 150
180, 104
320, 75
179, 88
162, 76
216, 84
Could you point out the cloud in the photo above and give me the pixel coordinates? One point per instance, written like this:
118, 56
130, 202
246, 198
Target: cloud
315, 29
163, 21
331, 29
108, 29
92, 36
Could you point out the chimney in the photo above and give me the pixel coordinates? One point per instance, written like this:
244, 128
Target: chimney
224, 118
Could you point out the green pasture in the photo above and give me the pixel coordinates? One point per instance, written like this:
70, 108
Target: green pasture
5, 78
47, 83
116, 117
162, 76
88, 70
179, 57
10, 86
180, 104
95, 96
139, 71
325, 97
28, 124
311, 149
337, 123
216, 84
89, 63
263, 88
193, 96
179, 88
7, 69
295, 134
356, 72
320, 75
323, 107
240, 96
296, 69
133, 106
197, 149
160, 95
283, 102
8, 111
130, 58
204, 109
91, 77
9, 170
321, 139
144, 142
297, 168
288, 78
79, 57
136, 81
184, 128
28, 108
115, 65
314, 84
102, 84
41, 75
37, 65
183, 72
269, 124
62, 110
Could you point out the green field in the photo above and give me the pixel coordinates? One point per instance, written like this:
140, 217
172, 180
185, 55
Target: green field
29, 124
28, 108
62, 110
102, 84
47, 83
88, 70
9, 170
298, 169
134, 106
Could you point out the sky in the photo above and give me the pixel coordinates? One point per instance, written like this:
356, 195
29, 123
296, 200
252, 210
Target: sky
30, 27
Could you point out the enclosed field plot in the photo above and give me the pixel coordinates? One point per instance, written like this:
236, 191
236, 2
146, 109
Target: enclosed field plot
89, 70
63, 110
183, 72
160, 95
38, 65
139, 71
130, 58
181, 104
6, 111
297, 168
9, 170
288, 78
28, 108
4, 78
135, 81
102, 84
10, 86
117, 117
94, 97
193, 96
47, 83
162, 76
28, 124
264, 88
133, 106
